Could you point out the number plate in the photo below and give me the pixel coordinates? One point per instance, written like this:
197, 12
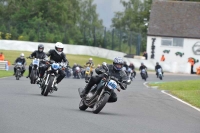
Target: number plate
35, 62
112, 84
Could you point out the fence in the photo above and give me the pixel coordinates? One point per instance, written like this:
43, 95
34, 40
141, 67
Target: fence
114, 39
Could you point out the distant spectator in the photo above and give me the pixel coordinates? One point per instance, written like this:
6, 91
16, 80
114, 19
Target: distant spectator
145, 55
162, 58
2, 58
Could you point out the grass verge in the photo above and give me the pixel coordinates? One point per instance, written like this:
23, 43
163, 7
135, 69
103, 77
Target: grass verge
188, 91
4, 73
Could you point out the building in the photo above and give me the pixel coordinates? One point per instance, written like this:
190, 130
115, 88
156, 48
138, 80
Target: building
174, 31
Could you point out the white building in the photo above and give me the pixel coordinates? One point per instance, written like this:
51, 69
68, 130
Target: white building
175, 26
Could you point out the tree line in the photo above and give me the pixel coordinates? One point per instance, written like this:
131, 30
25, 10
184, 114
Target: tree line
75, 22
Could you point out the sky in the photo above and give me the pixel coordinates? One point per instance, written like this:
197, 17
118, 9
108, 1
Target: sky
106, 9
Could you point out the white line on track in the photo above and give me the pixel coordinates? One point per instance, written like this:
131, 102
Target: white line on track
174, 98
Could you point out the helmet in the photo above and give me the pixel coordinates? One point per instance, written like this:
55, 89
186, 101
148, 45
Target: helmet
125, 63
157, 63
116, 62
40, 47
59, 45
75, 64
104, 64
131, 64
90, 59
22, 55
142, 63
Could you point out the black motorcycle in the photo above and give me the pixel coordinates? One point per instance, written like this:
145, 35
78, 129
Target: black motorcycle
36, 63
143, 74
48, 82
77, 72
68, 72
19, 69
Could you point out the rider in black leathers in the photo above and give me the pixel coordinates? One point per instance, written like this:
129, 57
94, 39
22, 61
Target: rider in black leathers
58, 56
132, 67
143, 67
126, 65
39, 54
114, 70
22, 60
157, 67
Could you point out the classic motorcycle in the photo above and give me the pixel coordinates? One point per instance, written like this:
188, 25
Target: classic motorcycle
99, 94
160, 75
18, 72
87, 73
129, 73
48, 82
78, 74
68, 72
35, 69
144, 75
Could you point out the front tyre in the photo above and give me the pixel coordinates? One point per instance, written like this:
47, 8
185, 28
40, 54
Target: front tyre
101, 103
160, 76
82, 105
49, 85
33, 76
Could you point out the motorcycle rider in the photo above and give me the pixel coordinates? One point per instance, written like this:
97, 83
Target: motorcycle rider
132, 67
22, 60
126, 65
143, 67
39, 54
58, 56
157, 67
74, 68
90, 63
116, 71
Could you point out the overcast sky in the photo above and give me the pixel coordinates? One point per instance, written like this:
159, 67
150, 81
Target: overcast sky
106, 9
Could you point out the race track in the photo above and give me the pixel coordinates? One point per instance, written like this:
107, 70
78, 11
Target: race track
138, 110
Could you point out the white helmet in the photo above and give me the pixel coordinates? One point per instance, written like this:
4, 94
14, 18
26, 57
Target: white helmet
90, 59
22, 55
104, 64
60, 46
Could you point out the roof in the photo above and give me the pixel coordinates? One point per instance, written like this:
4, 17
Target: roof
175, 19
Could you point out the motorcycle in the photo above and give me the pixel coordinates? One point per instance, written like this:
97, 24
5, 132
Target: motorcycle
129, 73
144, 75
18, 72
87, 73
159, 72
35, 69
78, 74
68, 72
48, 82
99, 94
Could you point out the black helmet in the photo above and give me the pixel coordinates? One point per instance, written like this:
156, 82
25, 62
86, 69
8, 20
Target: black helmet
40, 47
157, 63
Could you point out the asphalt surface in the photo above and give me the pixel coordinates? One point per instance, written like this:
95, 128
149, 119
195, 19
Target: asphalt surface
138, 109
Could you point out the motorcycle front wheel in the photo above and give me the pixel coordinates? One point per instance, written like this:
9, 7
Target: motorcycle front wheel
49, 86
101, 103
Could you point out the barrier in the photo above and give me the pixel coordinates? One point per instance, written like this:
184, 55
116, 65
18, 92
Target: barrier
175, 67
4, 65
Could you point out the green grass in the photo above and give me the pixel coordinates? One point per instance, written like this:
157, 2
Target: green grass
5, 73
11, 55
188, 91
